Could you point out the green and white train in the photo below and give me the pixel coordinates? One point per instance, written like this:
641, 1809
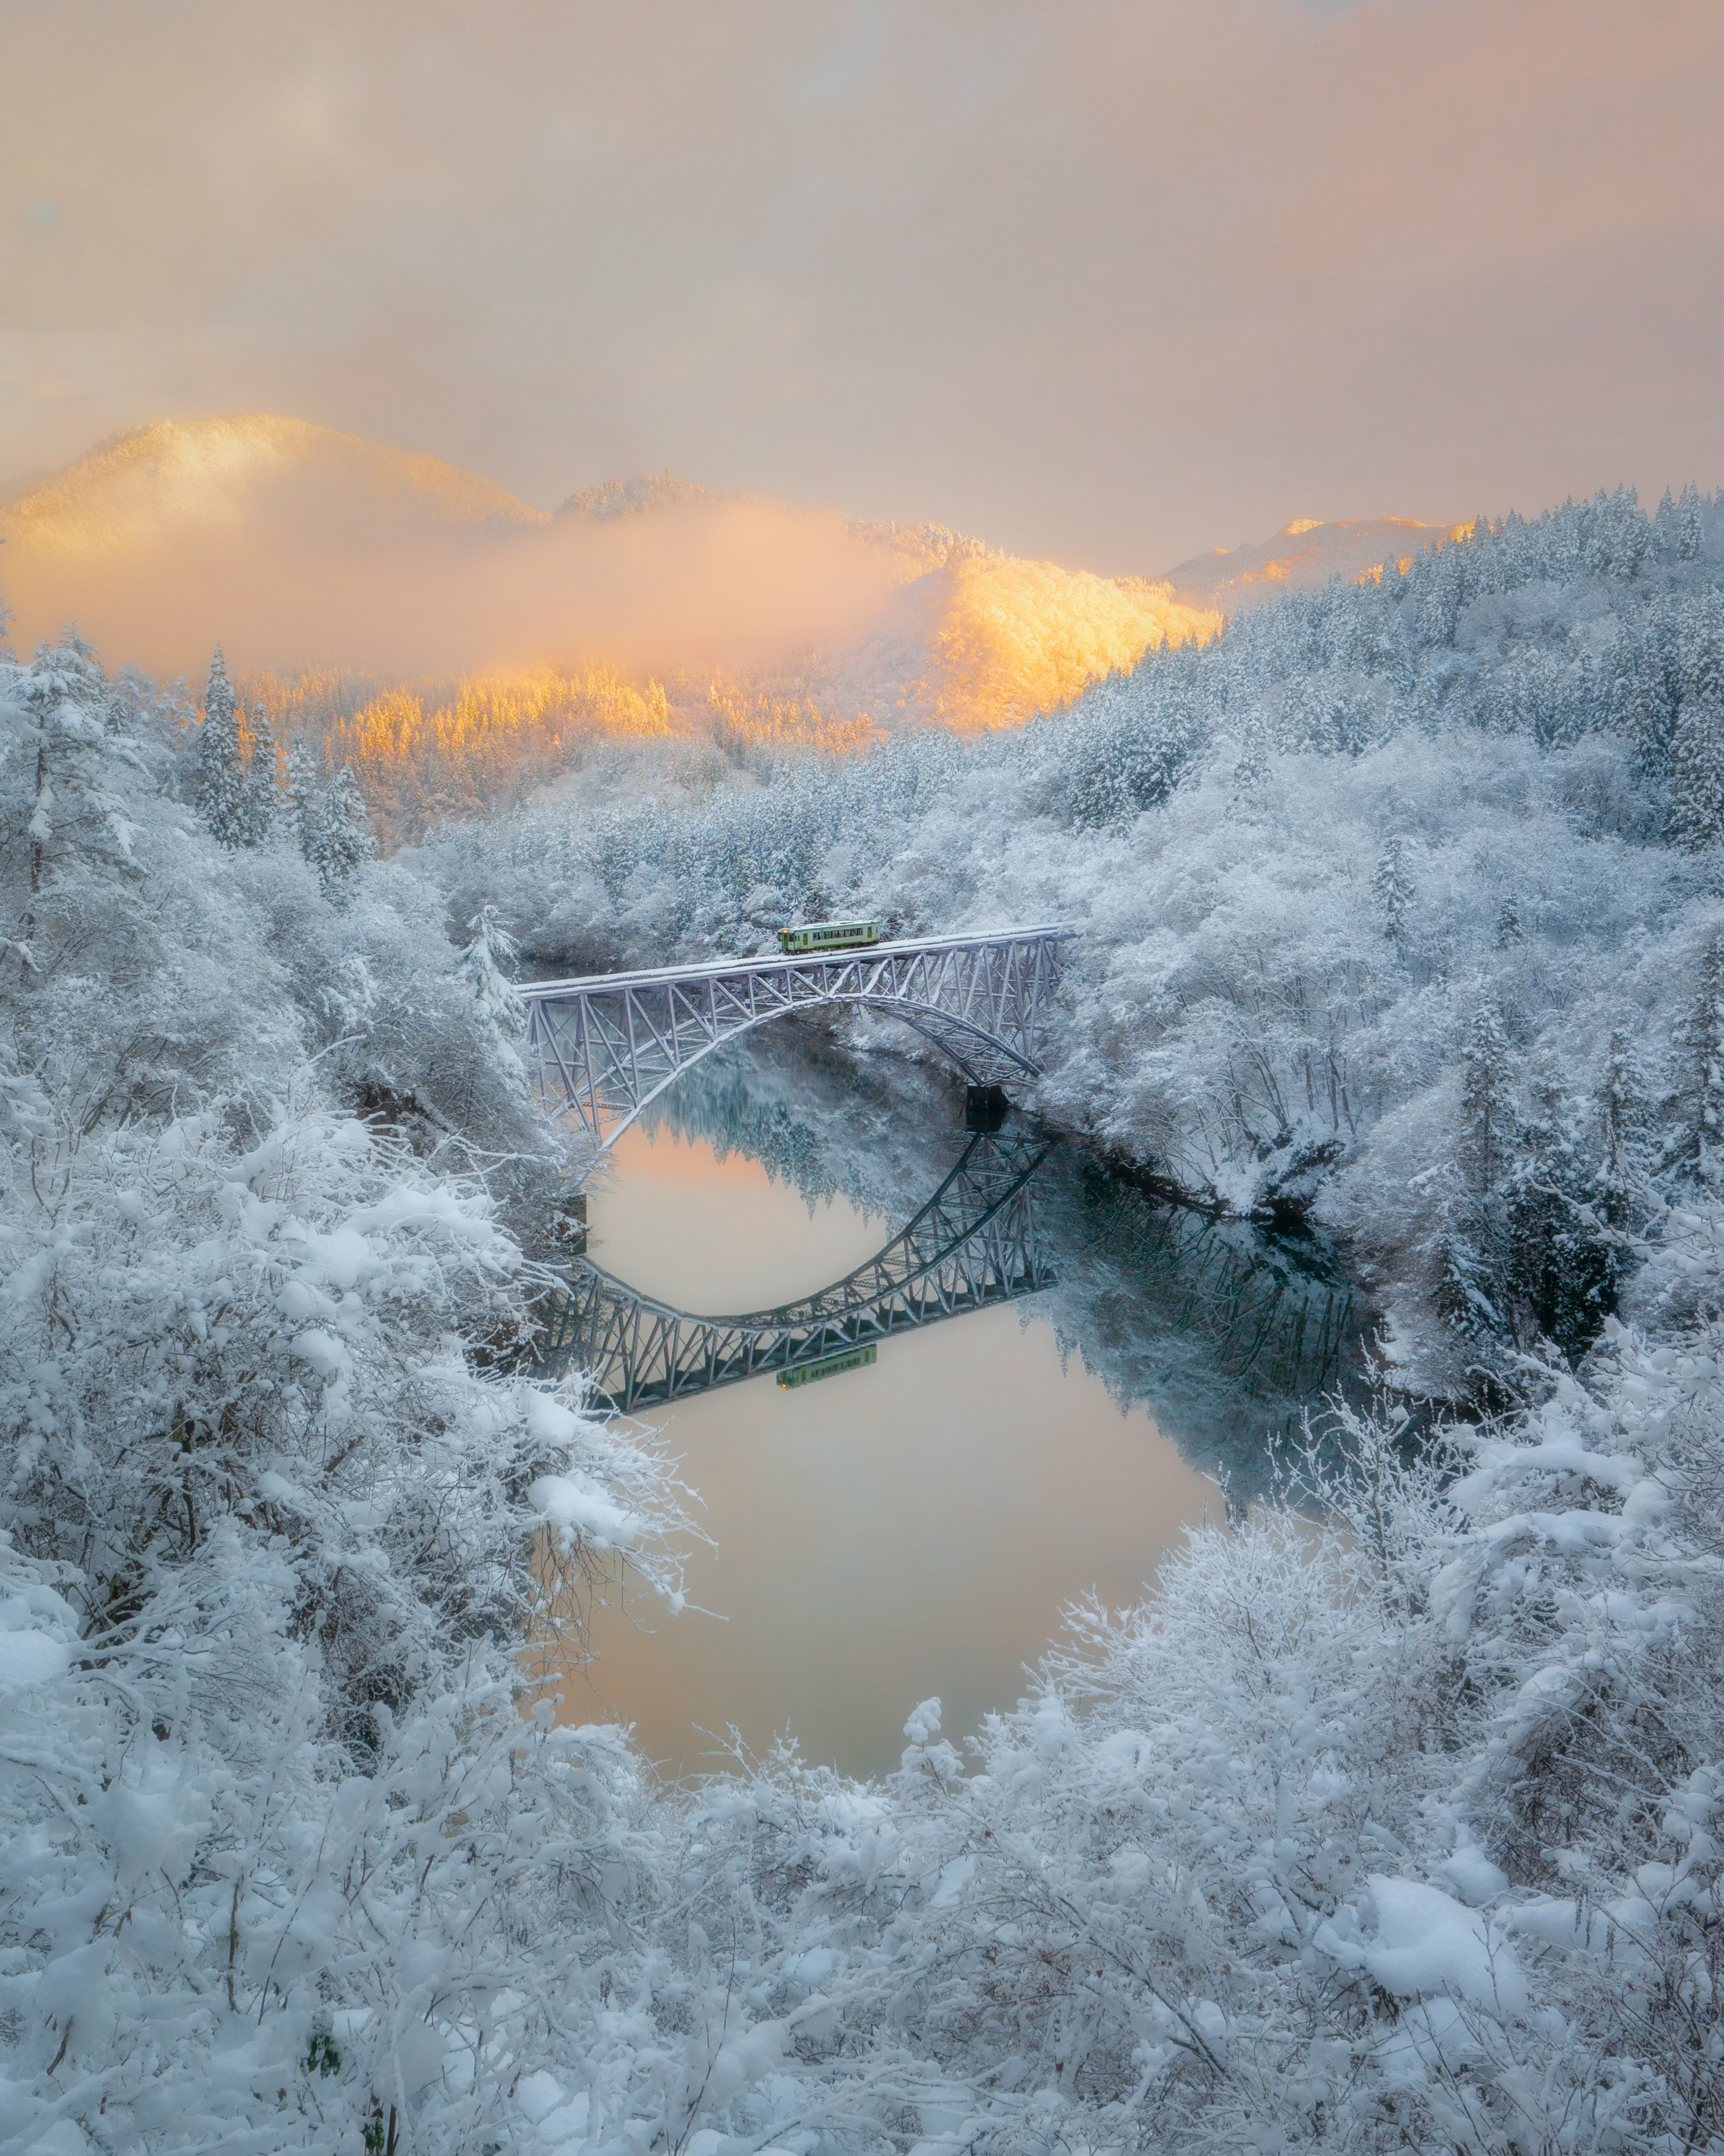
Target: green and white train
829, 935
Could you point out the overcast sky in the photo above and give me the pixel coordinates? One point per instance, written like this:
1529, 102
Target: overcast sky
1105, 281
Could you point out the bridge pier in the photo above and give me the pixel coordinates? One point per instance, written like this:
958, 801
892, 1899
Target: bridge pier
985, 1108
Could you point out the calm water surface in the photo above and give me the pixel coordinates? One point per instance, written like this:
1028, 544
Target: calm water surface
914, 1527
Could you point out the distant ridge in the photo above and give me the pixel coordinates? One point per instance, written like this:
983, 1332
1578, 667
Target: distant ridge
177, 475
1306, 552
289, 542
614, 499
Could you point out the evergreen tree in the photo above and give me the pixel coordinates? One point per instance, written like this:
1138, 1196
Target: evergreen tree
1699, 1133
1251, 771
1562, 1275
62, 788
501, 1012
1471, 1290
344, 839
1667, 533
1391, 887
1700, 651
303, 807
1637, 699
1627, 1114
220, 767
1691, 529
1438, 586
1486, 1101
258, 808
1695, 810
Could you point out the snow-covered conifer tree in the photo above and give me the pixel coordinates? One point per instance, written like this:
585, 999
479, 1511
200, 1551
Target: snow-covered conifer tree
1561, 1274
1695, 814
345, 841
1666, 535
64, 773
220, 766
1628, 1135
1250, 771
1474, 1252
259, 808
1691, 527
303, 806
501, 1013
1696, 1143
1391, 887
1486, 1100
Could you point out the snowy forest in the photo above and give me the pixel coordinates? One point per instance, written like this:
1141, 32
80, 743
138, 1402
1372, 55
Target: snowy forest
1391, 1817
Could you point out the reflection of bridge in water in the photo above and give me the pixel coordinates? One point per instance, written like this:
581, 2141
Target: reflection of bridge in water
974, 1243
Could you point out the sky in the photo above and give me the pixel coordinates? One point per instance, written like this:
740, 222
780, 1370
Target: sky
1105, 281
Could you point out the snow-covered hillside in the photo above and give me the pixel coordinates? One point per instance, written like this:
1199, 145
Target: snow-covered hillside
1302, 555
1398, 902
1392, 1821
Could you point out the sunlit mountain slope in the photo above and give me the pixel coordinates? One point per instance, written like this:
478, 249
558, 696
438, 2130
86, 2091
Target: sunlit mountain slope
415, 613
186, 475
987, 639
458, 647
1305, 553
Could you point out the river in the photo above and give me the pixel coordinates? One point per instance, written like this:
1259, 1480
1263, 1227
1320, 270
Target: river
1060, 1372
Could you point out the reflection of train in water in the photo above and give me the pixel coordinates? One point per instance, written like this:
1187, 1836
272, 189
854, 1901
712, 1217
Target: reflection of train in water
829, 935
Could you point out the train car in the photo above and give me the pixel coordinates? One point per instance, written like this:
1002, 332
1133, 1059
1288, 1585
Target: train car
829, 936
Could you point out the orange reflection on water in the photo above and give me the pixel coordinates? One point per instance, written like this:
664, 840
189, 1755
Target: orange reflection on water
894, 1531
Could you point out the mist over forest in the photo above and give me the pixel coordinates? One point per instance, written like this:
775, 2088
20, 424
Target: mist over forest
1390, 1817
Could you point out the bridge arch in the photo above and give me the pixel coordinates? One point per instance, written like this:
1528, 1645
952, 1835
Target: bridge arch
608, 1044
981, 1065
975, 1243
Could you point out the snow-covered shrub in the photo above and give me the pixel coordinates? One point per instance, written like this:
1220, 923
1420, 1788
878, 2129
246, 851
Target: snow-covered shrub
281, 1854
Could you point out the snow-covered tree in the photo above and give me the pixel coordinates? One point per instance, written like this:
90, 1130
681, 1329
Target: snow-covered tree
329, 823
1627, 1119
1391, 887
220, 785
67, 775
1562, 1272
501, 1013
1691, 529
342, 837
1696, 1142
303, 794
258, 808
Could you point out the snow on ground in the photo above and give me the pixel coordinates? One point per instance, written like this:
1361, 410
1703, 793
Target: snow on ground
1392, 1820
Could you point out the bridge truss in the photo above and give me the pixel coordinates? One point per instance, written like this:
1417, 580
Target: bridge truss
607, 1044
974, 1243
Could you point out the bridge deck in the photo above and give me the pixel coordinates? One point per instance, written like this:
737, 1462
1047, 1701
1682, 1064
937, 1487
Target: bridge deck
781, 961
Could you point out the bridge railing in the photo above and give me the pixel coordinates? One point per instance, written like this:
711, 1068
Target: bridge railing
802, 962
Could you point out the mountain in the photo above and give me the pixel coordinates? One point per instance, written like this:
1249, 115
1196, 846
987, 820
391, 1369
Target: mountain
978, 639
1305, 553
300, 549
179, 477
456, 644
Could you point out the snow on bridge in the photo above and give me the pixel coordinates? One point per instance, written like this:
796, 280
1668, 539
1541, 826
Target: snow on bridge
606, 1044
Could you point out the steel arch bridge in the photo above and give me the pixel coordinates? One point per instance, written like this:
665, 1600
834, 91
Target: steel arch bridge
974, 1243
607, 1044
